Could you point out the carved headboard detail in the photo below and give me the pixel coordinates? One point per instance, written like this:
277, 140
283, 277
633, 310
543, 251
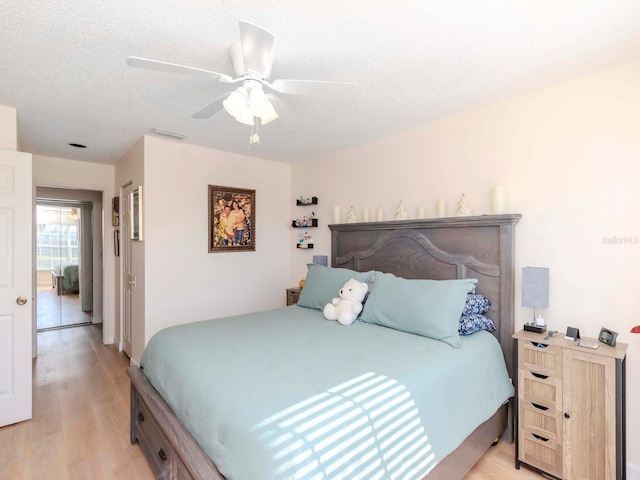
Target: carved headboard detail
479, 247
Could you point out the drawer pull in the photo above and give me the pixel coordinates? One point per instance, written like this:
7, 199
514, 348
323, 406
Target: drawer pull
162, 455
538, 437
140, 417
539, 407
539, 345
566, 415
539, 375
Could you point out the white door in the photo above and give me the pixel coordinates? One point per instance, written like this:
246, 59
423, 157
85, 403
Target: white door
128, 280
16, 288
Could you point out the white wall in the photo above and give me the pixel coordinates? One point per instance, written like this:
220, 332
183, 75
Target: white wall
62, 173
8, 128
183, 281
568, 156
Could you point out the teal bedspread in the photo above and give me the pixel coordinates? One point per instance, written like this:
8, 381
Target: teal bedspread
70, 275
286, 394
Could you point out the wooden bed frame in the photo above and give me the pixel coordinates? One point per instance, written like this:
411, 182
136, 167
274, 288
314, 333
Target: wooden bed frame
479, 247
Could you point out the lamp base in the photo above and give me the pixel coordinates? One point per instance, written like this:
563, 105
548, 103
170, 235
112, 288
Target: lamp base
532, 327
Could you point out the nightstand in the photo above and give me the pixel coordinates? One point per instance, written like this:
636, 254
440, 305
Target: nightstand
570, 407
293, 294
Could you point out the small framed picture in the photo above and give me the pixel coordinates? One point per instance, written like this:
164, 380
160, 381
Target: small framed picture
115, 211
232, 219
135, 201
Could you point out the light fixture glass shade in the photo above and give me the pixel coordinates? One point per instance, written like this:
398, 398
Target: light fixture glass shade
244, 116
270, 115
258, 102
236, 102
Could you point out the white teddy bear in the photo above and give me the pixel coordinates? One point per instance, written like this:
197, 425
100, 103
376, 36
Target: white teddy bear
347, 308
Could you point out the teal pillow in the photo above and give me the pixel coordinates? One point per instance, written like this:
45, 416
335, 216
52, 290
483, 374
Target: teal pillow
323, 284
431, 308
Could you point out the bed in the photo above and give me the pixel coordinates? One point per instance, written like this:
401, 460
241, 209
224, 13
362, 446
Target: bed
441, 249
65, 278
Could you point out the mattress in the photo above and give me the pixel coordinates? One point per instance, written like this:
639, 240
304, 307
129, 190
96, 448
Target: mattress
286, 394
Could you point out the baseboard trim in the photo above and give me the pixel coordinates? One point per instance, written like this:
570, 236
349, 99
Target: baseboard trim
633, 471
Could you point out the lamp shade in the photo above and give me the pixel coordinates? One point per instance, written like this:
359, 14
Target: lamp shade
535, 287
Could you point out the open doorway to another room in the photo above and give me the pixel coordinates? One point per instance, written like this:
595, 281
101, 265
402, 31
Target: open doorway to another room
63, 255
68, 224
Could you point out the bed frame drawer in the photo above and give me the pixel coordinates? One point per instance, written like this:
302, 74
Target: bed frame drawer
153, 442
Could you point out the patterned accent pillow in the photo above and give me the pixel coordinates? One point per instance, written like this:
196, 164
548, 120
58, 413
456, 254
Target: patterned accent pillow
474, 323
476, 304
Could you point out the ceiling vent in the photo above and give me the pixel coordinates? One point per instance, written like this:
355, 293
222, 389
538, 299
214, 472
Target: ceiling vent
166, 133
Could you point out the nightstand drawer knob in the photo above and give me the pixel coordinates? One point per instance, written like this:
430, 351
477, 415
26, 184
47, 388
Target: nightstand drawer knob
566, 415
539, 407
539, 375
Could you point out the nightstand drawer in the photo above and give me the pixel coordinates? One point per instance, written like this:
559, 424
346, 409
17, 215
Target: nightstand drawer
541, 390
541, 420
540, 452
293, 295
540, 358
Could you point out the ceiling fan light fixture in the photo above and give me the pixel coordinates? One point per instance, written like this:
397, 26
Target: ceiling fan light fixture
245, 116
269, 116
258, 102
236, 102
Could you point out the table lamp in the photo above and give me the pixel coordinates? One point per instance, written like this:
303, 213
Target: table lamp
535, 294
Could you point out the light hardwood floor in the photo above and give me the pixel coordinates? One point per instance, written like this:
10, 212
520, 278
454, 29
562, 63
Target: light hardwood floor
80, 425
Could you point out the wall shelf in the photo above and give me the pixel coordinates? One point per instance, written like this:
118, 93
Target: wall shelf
314, 224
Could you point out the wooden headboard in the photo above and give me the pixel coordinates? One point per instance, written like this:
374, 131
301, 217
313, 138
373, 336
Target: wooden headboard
479, 247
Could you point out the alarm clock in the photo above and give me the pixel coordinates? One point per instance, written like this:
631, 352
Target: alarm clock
608, 337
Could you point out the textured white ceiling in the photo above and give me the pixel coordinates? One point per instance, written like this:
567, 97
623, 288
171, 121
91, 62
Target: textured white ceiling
62, 65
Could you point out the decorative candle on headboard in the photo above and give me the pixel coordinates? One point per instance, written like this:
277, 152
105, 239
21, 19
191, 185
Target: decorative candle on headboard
380, 215
337, 214
498, 200
365, 214
441, 208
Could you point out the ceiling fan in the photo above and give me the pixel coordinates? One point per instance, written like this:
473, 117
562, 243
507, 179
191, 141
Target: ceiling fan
252, 59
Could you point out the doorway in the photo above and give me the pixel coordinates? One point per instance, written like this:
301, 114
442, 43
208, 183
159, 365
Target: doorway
63, 260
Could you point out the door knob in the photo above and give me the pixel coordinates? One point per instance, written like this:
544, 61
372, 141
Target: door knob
21, 300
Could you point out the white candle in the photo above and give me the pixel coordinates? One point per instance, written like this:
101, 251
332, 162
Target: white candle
337, 214
422, 213
498, 200
441, 208
365, 214
380, 216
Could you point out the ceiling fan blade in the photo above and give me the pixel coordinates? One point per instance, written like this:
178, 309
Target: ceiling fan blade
256, 48
149, 64
315, 88
211, 109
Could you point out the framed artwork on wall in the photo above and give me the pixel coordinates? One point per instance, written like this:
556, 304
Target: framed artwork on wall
115, 211
135, 204
116, 242
232, 219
